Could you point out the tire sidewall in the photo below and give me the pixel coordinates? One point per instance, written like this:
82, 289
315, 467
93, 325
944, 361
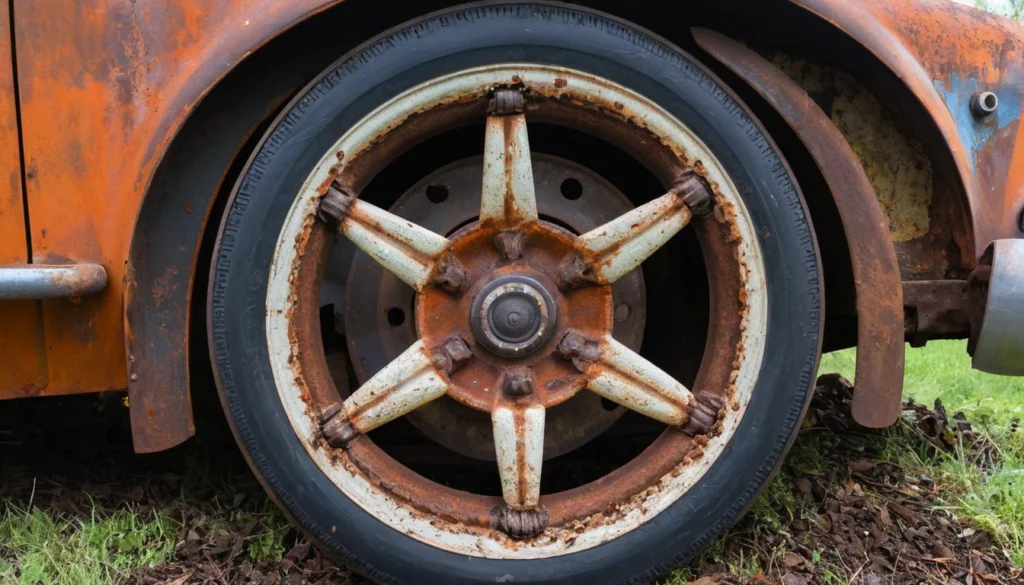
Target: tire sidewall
448, 42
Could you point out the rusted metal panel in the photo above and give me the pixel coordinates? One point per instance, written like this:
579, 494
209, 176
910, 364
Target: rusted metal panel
23, 372
104, 87
945, 53
879, 374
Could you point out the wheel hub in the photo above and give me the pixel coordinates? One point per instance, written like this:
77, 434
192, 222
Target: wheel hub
513, 316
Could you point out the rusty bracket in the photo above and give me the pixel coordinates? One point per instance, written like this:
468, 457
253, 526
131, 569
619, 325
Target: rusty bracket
337, 429
879, 376
935, 309
695, 194
703, 415
519, 524
335, 204
505, 102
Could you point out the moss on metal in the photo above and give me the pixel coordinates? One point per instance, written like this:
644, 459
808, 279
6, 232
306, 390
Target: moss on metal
897, 166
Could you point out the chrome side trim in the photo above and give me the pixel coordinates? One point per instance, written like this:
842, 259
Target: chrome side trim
39, 281
1000, 348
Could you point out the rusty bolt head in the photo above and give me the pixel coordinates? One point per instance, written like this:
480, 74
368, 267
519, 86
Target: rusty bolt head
518, 382
702, 416
505, 102
579, 349
984, 104
519, 524
451, 354
337, 430
575, 272
335, 204
450, 275
695, 195
510, 244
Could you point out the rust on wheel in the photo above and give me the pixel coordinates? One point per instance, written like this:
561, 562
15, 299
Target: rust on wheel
516, 315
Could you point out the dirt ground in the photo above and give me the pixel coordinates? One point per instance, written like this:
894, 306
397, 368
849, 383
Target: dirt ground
842, 511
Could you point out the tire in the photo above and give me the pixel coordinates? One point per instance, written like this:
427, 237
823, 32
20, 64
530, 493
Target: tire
434, 46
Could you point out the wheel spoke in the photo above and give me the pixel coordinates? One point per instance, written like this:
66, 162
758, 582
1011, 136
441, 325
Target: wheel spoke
610, 251
416, 377
621, 375
414, 254
519, 444
507, 197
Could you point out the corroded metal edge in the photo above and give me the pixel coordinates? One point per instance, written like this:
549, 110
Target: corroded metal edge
1000, 347
880, 352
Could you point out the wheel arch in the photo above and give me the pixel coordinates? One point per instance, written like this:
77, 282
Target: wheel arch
166, 268
229, 102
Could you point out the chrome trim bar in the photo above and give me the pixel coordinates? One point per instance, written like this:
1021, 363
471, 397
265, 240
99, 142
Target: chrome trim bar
42, 281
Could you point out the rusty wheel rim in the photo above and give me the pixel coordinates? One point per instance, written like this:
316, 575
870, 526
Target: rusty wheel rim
553, 305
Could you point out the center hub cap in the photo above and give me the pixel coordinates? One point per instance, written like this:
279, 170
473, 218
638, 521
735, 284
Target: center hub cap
513, 316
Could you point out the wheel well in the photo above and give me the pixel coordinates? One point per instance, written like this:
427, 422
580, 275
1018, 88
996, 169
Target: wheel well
169, 260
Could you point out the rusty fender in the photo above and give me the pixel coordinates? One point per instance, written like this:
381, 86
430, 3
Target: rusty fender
879, 380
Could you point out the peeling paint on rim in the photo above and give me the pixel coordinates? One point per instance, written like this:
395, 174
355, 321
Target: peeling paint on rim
385, 506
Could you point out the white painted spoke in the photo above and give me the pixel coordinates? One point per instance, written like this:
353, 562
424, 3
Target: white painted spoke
410, 252
519, 444
617, 247
401, 387
624, 377
508, 198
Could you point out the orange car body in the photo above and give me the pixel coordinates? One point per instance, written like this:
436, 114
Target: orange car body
95, 94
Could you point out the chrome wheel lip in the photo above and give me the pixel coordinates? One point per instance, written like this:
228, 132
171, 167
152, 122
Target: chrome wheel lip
347, 477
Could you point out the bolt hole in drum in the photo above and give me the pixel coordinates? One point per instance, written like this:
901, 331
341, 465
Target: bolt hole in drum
555, 348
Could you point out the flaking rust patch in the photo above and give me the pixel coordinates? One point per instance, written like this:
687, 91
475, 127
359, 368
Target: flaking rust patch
897, 166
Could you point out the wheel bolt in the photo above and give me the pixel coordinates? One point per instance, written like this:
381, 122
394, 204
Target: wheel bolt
703, 416
510, 244
335, 204
450, 354
578, 348
518, 382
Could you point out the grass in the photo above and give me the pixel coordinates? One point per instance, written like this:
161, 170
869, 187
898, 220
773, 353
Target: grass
53, 549
990, 499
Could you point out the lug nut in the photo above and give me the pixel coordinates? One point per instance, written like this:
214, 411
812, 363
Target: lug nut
579, 349
449, 275
335, 204
336, 429
695, 195
451, 354
702, 416
505, 102
510, 244
518, 382
519, 524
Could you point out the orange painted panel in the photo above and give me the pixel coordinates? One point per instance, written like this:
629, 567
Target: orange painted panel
22, 353
104, 86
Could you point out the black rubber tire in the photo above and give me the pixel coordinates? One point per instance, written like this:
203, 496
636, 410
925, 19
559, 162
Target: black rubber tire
447, 42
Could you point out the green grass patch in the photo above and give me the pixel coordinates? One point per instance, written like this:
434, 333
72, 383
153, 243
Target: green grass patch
49, 548
991, 499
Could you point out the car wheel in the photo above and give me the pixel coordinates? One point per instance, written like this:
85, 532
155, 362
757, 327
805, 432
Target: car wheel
515, 293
